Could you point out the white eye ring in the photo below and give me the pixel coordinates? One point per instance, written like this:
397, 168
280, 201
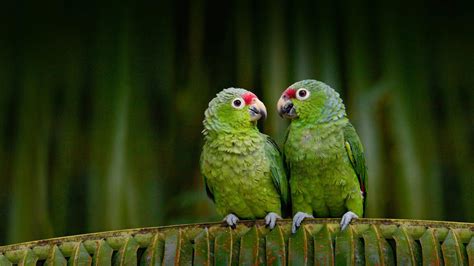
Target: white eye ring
238, 103
302, 94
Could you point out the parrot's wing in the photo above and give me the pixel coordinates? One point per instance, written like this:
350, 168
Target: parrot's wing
355, 151
277, 169
285, 161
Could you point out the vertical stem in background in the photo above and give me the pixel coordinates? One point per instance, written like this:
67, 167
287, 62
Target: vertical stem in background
102, 103
362, 105
274, 61
409, 189
304, 43
65, 181
328, 52
142, 172
185, 120
113, 197
7, 66
29, 212
418, 103
198, 82
458, 175
120, 199
162, 76
243, 21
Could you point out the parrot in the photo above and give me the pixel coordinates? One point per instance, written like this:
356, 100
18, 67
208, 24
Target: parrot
323, 154
242, 168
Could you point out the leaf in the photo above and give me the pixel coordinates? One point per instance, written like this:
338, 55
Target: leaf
55, 258
4, 261
377, 249
323, 247
453, 250
249, 245
430, 248
275, 247
28, 258
80, 256
299, 248
202, 248
408, 252
127, 254
223, 247
103, 254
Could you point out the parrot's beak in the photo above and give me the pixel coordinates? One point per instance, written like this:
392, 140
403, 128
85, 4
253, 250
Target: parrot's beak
257, 110
285, 107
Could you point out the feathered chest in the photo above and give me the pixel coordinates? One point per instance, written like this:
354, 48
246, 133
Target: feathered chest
319, 144
234, 156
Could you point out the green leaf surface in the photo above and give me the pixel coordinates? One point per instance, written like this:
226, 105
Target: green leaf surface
80, 256
408, 252
275, 247
249, 247
453, 250
223, 247
103, 254
317, 242
377, 250
323, 247
299, 248
430, 248
202, 248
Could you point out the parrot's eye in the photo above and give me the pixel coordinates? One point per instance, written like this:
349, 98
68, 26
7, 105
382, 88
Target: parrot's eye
238, 103
302, 94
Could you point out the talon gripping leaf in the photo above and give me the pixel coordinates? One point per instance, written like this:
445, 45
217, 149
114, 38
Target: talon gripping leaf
242, 168
328, 176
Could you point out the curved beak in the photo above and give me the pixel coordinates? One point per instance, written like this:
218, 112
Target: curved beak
257, 110
285, 107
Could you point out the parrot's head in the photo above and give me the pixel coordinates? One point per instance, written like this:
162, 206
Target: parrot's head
233, 109
312, 101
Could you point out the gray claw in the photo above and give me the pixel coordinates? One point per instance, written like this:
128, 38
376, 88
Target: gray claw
231, 220
298, 219
271, 218
347, 218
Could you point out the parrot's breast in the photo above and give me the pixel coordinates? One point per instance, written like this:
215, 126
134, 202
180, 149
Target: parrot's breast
323, 145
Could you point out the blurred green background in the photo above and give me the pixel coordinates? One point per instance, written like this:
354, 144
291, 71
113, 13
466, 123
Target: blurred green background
101, 105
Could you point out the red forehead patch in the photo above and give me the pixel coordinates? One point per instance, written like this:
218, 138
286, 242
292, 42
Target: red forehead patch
248, 97
290, 93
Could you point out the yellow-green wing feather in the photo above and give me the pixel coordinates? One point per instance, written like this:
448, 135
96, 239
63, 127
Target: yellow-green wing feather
209, 192
355, 151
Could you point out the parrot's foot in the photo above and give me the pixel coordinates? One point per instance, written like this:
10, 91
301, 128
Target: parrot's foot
298, 218
231, 220
347, 218
271, 218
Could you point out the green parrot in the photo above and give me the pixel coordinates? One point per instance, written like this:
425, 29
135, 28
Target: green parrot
243, 169
325, 158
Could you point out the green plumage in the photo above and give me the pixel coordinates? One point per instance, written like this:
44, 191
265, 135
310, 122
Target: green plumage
242, 168
328, 176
